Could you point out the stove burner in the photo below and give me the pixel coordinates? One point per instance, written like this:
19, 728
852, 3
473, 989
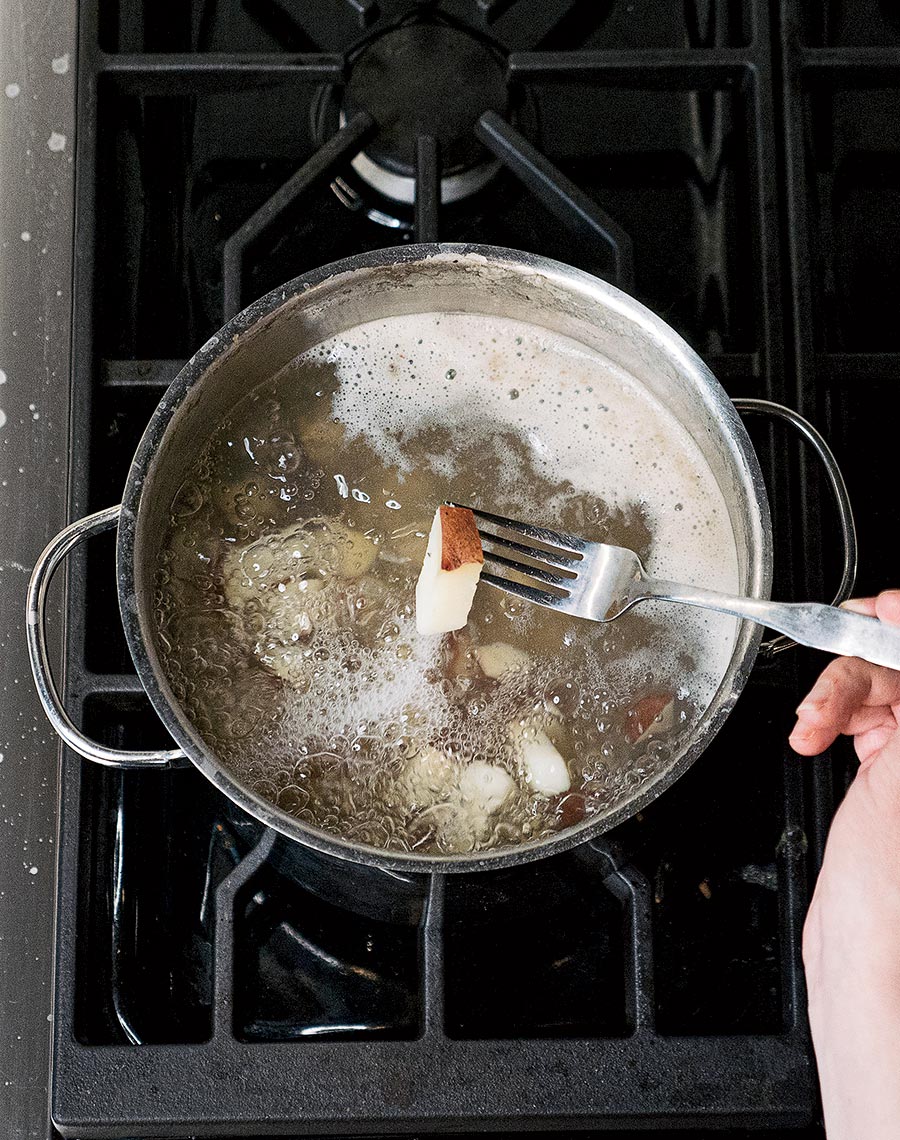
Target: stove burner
426, 80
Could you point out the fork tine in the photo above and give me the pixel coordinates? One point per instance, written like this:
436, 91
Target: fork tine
539, 597
540, 533
529, 571
566, 561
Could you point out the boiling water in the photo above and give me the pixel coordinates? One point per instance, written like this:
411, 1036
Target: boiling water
285, 597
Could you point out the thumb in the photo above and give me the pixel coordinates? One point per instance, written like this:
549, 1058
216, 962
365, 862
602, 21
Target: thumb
887, 607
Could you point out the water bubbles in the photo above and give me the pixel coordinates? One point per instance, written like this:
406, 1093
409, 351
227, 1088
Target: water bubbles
562, 697
511, 607
188, 501
657, 753
311, 682
292, 799
244, 507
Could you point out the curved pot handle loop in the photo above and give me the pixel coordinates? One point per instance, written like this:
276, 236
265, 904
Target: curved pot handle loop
838, 487
55, 551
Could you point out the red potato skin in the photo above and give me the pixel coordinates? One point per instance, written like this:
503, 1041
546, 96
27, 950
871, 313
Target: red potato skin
460, 543
572, 809
644, 713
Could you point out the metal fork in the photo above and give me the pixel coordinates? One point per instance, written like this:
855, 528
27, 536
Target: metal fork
600, 582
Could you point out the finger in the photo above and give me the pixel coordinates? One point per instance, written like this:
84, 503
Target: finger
848, 684
810, 739
845, 687
807, 740
886, 606
860, 606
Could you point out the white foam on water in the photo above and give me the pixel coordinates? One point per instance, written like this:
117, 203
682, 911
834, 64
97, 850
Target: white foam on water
588, 424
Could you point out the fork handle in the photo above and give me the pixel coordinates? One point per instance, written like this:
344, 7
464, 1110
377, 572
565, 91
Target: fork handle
810, 623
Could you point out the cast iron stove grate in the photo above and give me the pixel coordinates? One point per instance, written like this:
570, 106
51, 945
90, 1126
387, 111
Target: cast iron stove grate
206, 983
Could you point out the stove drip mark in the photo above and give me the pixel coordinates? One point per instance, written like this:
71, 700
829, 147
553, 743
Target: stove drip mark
558, 193
317, 169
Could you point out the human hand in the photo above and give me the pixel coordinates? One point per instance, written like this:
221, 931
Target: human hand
851, 941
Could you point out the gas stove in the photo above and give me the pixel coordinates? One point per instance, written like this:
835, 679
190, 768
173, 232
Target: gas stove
731, 166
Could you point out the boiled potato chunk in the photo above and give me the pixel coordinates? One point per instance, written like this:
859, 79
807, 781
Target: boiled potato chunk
283, 584
429, 776
649, 716
499, 658
545, 769
298, 557
453, 561
486, 786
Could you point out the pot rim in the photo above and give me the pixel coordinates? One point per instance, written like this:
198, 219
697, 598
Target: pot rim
178, 725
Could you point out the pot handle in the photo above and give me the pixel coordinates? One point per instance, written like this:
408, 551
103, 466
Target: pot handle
55, 551
838, 487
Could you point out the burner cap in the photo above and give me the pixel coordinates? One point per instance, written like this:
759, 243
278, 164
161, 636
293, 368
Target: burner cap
426, 79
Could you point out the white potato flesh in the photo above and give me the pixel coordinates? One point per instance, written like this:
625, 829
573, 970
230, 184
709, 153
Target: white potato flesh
545, 769
499, 658
428, 776
485, 785
446, 586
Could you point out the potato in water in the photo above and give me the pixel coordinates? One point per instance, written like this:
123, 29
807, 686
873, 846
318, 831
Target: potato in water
286, 598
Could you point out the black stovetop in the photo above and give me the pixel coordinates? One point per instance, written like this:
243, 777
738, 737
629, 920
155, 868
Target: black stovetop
733, 166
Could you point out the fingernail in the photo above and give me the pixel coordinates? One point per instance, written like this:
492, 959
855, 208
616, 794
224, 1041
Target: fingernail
855, 605
817, 696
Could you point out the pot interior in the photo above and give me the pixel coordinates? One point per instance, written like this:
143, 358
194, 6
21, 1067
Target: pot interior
260, 342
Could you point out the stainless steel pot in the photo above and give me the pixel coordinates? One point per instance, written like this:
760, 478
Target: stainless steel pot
258, 342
